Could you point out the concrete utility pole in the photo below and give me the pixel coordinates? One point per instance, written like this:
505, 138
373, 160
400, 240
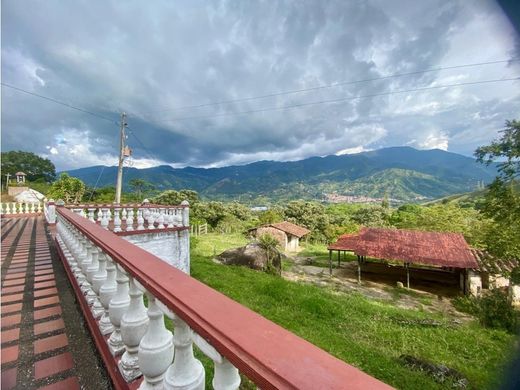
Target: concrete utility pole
122, 139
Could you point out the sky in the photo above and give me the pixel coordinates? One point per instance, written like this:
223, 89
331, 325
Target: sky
193, 77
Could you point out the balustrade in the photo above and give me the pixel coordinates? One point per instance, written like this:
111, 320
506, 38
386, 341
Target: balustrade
7, 208
116, 275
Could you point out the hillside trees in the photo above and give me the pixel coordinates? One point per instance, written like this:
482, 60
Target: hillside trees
502, 201
34, 166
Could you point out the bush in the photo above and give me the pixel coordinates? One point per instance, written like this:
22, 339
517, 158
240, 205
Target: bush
495, 311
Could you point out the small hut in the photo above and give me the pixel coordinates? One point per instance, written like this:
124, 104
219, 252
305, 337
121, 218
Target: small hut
288, 234
446, 253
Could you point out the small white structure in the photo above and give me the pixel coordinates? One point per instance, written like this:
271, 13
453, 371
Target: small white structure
20, 177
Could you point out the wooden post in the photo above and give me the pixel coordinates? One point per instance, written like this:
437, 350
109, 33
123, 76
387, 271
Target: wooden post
330, 262
359, 269
339, 258
406, 265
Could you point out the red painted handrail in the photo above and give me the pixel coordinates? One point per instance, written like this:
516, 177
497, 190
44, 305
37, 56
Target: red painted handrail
265, 352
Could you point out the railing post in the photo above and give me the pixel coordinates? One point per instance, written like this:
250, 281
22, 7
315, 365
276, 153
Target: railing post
226, 376
106, 293
185, 236
156, 348
117, 307
91, 211
140, 219
186, 372
117, 220
97, 281
104, 218
133, 327
51, 212
130, 220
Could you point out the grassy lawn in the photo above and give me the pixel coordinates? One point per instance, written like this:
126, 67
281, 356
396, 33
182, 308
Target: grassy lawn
368, 334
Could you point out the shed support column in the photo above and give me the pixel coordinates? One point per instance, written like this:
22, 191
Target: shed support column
406, 265
330, 262
359, 270
339, 258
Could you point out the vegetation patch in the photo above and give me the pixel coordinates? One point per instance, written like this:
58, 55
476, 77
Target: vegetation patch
439, 372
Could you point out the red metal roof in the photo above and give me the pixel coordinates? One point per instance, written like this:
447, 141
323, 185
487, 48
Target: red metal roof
411, 246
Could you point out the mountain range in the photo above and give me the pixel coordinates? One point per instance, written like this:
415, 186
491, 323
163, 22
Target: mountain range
401, 173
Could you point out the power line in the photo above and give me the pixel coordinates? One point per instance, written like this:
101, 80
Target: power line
59, 102
146, 150
336, 100
333, 85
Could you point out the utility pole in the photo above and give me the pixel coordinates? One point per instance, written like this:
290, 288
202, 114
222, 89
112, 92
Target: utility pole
122, 139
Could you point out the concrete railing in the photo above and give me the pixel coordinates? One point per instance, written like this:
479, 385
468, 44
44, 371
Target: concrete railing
134, 217
111, 276
10, 208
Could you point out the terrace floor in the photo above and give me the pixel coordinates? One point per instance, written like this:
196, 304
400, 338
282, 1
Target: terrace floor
44, 340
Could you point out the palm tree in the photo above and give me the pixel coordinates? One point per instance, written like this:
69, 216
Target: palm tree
269, 244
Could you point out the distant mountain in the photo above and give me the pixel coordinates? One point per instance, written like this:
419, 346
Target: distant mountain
401, 173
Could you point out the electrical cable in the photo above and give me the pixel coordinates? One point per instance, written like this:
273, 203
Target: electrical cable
333, 85
337, 100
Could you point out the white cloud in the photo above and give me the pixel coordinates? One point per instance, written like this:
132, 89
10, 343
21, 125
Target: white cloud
431, 140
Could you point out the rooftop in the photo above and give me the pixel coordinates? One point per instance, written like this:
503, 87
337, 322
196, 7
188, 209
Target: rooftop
411, 246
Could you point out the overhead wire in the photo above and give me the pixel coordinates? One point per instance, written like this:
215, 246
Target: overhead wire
58, 102
336, 100
333, 85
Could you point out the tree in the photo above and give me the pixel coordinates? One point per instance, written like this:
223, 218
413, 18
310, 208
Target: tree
507, 147
34, 166
502, 200
139, 185
70, 189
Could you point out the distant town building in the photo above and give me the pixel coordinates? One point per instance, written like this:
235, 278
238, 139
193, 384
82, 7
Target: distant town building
288, 234
259, 208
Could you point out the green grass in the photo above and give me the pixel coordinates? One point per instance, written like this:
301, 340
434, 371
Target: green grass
368, 334
320, 255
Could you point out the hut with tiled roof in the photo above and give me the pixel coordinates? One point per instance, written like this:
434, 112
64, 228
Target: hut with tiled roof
287, 233
448, 252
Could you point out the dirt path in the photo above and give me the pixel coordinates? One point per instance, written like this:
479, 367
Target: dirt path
344, 279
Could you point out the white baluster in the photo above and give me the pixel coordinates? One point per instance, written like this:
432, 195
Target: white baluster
106, 293
170, 217
32, 208
104, 219
99, 215
98, 278
123, 214
90, 266
186, 372
140, 219
151, 221
156, 348
130, 220
117, 307
39, 208
91, 211
13, 206
133, 327
226, 375
117, 220
160, 219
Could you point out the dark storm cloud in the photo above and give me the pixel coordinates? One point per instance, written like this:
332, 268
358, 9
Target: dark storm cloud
147, 58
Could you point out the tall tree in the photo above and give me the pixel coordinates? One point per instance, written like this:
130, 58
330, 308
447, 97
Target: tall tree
34, 166
502, 202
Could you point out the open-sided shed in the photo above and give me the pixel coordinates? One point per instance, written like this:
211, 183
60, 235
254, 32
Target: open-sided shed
431, 249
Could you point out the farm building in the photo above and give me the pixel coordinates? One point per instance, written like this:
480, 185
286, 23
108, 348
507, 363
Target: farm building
433, 256
288, 234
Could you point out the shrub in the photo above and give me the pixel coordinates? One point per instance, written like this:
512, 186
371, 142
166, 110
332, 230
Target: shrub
495, 311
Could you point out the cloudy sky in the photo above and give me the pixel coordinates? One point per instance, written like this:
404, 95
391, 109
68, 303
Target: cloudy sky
167, 63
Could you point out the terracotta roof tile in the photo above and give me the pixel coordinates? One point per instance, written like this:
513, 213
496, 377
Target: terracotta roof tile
291, 228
